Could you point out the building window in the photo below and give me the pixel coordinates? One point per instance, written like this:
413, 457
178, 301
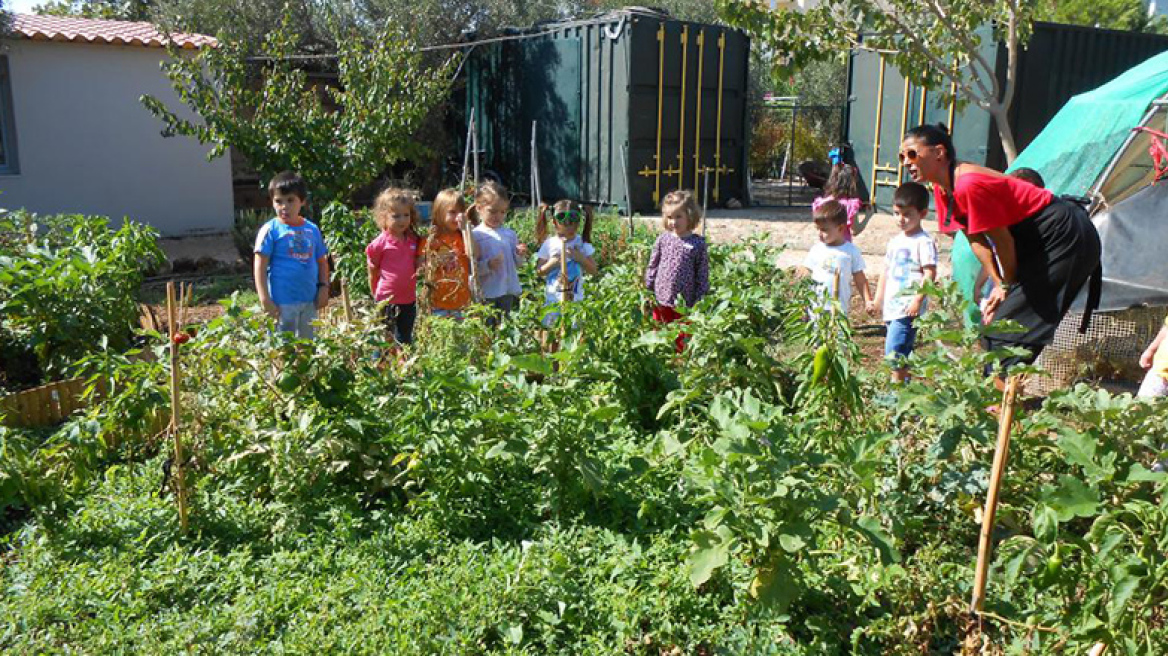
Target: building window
8, 160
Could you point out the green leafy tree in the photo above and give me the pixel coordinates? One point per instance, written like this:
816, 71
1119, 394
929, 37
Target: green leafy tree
133, 10
1129, 15
339, 138
935, 43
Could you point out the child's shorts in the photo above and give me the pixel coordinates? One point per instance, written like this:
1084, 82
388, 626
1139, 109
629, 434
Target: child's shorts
1154, 386
297, 318
900, 338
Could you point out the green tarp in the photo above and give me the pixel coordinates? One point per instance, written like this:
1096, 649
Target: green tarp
1078, 143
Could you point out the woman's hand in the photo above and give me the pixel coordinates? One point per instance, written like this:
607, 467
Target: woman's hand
991, 303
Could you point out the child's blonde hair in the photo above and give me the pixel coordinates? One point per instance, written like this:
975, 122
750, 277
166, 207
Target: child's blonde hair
444, 202
564, 206
688, 204
395, 197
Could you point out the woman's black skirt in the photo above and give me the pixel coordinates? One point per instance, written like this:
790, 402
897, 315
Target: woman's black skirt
1057, 249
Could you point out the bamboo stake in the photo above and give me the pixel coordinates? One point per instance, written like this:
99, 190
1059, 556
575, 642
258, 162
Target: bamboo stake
985, 544
177, 467
345, 302
1098, 649
466, 153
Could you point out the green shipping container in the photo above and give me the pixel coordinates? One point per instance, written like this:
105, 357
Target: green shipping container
1059, 61
632, 102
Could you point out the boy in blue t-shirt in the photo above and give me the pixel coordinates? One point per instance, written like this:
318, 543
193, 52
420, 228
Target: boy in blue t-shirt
291, 260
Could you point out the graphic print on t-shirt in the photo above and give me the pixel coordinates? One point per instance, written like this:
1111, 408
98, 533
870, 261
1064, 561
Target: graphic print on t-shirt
299, 245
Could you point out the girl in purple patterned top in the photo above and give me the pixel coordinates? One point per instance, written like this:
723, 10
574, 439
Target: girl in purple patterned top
679, 267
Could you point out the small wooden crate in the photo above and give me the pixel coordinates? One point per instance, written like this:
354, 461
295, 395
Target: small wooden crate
43, 406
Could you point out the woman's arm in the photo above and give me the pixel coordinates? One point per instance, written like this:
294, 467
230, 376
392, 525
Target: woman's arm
1002, 269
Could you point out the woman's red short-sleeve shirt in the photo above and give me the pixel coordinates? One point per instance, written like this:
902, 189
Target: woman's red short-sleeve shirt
984, 202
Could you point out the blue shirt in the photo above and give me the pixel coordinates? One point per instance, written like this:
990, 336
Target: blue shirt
292, 253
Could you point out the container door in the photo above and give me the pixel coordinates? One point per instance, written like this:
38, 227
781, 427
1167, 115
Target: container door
551, 95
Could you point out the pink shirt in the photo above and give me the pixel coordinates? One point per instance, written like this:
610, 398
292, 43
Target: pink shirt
395, 259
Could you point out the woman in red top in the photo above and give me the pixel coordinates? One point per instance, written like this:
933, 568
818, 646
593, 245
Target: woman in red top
1046, 248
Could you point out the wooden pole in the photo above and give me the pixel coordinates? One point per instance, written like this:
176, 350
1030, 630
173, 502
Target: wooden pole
1098, 649
985, 544
177, 465
345, 302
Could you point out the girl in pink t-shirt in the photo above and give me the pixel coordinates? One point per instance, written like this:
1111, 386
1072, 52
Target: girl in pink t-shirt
843, 186
394, 259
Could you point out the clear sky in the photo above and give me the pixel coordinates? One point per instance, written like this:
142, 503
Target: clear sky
21, 6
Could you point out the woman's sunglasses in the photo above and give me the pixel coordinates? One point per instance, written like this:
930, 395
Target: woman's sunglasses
571, 216
909, 155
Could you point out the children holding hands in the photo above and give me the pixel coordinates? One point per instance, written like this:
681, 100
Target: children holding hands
679, 265
291, 260
909, 260
393, 259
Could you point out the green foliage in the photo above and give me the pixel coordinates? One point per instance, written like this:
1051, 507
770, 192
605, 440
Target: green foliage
339, 138
67, 287
1132, 15
480, 495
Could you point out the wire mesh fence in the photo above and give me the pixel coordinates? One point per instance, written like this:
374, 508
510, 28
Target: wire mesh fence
789, 146
1107, 355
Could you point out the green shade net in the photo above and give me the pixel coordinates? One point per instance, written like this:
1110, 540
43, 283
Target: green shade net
1079, 142
1076, 146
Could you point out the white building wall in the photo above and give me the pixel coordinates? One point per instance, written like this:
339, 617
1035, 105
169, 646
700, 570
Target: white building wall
87, 145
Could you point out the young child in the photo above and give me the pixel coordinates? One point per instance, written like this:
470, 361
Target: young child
566, 243
843, 187
679, 266
393, 258
447, 256
834, 263
291, 261
1155, 360
1155, 385
910, 259
500, 251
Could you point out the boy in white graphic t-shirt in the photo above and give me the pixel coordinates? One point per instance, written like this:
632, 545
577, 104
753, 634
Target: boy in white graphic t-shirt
911, 258
835, 264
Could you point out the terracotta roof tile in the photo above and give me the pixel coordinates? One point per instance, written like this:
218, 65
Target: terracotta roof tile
112, 32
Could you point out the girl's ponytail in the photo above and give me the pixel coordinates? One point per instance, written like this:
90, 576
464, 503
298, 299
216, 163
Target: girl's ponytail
541, 224
587, 232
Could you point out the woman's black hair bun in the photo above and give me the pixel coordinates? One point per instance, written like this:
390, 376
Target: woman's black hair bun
943, 128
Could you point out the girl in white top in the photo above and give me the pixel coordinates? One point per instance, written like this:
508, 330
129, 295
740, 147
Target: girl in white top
565, 257
500, 250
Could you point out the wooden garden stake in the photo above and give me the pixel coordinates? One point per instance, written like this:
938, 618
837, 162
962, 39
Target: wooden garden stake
985, 544
177, 464
1098, 649
345, 302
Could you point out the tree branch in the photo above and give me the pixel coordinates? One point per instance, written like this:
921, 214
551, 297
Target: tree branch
920, 48
970, 46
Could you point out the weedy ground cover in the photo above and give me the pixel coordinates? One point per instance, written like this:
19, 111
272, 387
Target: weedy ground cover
611, 497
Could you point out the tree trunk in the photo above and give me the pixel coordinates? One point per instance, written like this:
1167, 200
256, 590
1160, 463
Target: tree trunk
1005, 132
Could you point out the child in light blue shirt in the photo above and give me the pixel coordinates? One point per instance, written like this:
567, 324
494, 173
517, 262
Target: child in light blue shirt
291, 260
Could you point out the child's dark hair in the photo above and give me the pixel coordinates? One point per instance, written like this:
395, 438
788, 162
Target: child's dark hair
911, 194
563, 207
288, 182
844, 182
1029, 175
831, 212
